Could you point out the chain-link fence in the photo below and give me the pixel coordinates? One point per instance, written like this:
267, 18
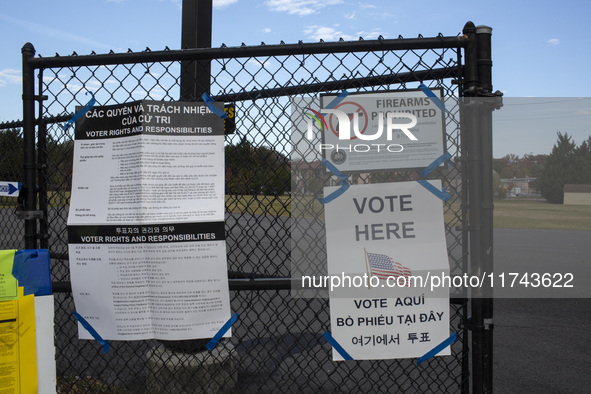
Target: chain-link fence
277, 344
11, 170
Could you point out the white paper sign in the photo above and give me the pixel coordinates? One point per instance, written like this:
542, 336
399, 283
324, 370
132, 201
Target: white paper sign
10, 189
380, 236
146, 222
392, 149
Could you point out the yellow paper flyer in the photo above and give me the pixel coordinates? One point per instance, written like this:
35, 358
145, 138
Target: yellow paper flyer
18, 354
8, 283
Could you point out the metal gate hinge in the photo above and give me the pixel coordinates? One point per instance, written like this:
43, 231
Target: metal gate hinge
487, 324
28, 214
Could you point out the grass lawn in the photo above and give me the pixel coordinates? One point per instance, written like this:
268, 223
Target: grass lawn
258, 205
541, 215
507, 213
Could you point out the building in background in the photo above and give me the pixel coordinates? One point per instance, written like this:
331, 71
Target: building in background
577, 194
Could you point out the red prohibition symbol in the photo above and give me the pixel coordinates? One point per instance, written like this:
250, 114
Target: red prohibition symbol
350, 108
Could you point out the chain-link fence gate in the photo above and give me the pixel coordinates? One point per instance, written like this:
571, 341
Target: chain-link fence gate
278, 340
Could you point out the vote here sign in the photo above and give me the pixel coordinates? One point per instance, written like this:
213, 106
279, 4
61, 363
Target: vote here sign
383, 242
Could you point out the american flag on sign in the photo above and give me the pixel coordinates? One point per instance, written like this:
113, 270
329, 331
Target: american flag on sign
383, 267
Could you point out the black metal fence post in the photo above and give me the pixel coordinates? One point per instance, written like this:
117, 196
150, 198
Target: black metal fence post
196, 33
484, 62
467, 83
470, 131
478, 88
29, 181
42, 180
195, 79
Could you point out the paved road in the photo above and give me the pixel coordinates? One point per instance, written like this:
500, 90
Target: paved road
543, 345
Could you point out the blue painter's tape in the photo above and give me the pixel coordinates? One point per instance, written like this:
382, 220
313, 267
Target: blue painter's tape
81, 112
211, 344
31, 269
344, 186
337, 346
431, 353
335, 171
429, 93
210, 104
441, 194
436, 163
340, 97
92, 332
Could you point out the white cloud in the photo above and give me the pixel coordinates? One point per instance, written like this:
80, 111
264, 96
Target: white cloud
299, 7
553, 41
349, 16
9, 75
327, 33
223, 3
371, 35
266, 30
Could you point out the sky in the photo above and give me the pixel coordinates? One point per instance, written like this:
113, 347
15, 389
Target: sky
540, 48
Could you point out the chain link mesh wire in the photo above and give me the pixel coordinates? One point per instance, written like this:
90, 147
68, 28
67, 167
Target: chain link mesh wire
277, 343
11, 170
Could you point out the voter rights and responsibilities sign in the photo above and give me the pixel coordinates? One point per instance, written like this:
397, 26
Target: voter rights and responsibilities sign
146, 222
387, 233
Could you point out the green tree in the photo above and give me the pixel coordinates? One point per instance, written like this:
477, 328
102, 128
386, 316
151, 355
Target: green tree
559, 169
11, 158
499, 189
583, 162
501, 166
256, 169
59, 164
239, 167
534, 164
512, 166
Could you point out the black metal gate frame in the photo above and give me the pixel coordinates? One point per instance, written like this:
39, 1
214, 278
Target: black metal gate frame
473, 80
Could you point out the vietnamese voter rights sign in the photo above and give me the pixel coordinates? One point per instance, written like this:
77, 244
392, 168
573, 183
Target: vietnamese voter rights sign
383, 242
146, 222
385, 130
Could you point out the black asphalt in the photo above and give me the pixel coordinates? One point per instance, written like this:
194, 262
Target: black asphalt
543, 345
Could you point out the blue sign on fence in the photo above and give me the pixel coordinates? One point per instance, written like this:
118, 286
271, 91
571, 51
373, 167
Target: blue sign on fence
10, 189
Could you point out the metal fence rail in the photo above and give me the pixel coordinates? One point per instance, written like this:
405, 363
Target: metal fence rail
278, 340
